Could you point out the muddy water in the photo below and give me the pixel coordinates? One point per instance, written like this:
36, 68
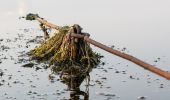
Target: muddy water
140, 28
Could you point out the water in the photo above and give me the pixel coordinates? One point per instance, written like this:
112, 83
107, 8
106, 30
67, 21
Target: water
140, 26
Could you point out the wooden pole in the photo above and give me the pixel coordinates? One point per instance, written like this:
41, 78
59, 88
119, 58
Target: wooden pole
130, 58
47, 23
135, 60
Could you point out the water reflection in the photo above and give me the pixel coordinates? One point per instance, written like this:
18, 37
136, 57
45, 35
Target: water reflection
75, 95
73, 81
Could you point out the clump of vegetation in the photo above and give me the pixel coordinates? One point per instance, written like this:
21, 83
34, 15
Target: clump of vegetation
66, 52
31, 16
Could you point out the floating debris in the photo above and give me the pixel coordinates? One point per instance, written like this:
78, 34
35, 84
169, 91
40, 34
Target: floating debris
142, 98
161, 86
117, 71
112, 46
157, 60
104, 78
1, 40
131, 77
37, 68
106, 94
37, 40
4, 48
29, 65
1, 84
1, 73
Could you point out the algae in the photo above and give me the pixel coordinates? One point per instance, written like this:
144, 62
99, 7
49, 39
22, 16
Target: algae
65, 52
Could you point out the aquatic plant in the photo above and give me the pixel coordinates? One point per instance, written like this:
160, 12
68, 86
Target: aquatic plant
66, 52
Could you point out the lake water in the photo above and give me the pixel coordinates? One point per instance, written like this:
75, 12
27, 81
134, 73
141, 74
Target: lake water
142, 27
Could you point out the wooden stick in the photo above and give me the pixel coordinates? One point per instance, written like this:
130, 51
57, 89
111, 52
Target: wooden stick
47, 23
135, 60
130, 58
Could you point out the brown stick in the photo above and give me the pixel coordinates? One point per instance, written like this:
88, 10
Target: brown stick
130, 58
115, 52
47, 23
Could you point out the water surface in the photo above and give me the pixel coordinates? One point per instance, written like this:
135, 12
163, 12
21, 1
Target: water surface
142, 27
